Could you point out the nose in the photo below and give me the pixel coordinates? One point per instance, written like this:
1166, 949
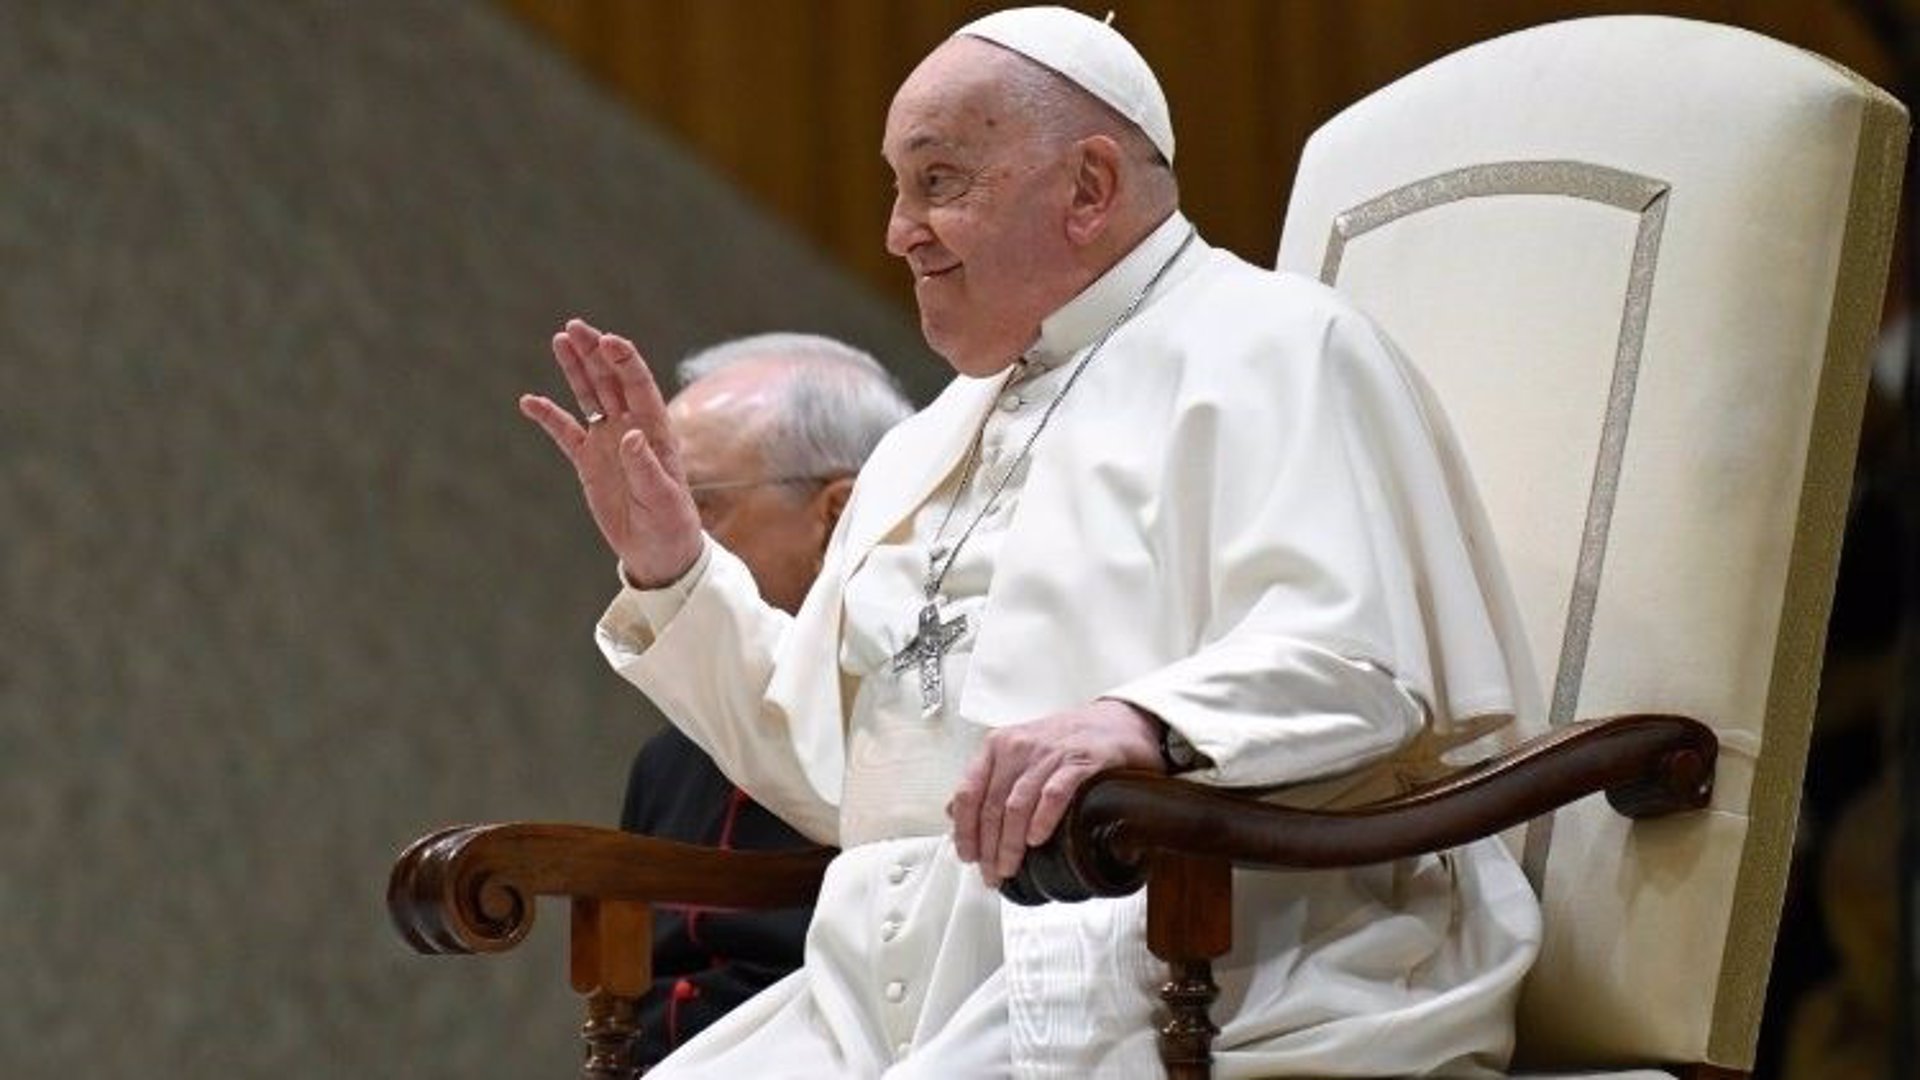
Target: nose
905, 230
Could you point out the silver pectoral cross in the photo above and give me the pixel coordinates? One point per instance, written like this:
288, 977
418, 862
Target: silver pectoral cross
927, 649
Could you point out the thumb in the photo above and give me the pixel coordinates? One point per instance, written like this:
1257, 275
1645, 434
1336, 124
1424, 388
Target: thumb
647, 479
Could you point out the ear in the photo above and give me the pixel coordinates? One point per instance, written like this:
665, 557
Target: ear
1096, 189
828, 504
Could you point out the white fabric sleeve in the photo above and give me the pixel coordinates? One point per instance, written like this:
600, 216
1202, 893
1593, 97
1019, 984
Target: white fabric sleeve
703, 649
1337, 714
1344, 607
647, 610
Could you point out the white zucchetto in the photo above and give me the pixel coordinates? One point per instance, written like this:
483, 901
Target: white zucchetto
1090, 54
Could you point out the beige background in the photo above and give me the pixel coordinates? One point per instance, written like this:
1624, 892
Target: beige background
286, 580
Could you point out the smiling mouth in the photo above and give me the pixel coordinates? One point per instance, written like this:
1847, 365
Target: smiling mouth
929, 275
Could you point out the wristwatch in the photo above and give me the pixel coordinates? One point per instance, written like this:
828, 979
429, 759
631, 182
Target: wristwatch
1177, 754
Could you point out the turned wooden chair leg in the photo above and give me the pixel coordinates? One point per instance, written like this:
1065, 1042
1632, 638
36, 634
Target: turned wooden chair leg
609, 961
1189, 922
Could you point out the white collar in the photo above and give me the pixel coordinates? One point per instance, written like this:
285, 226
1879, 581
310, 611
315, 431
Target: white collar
1080, 320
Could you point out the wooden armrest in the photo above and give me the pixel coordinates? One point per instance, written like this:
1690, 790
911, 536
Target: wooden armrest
1649, 765
470, 888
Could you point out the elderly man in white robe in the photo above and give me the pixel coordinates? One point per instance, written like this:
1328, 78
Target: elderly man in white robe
1176, 512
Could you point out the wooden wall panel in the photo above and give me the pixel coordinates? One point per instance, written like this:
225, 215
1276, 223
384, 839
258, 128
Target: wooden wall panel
788, 97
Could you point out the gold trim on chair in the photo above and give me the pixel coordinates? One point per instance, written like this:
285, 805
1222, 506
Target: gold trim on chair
1859, 286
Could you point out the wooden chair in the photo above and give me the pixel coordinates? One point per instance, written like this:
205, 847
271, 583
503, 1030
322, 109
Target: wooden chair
1640, 262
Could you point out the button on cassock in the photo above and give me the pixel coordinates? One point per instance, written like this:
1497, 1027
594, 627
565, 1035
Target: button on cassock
896, 991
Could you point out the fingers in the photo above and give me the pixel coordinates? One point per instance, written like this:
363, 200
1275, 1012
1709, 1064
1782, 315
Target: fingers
1035, 803
558, 423
589, 359
964, 807
665, 524
599, 364
572, 360
993, 810
1018, 807
1001, 777
1055, 796
1018, 788
582, 334
646, 478
608, 376
640, 397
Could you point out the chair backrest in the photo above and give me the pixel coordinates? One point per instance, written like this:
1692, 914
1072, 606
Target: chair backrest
1640, 261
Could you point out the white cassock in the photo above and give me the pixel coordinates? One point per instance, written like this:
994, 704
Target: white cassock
1244, 519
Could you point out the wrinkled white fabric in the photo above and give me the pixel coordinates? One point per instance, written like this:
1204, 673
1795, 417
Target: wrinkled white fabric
1244, 520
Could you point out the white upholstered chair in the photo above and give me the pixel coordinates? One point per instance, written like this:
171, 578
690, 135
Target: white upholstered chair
1639, 261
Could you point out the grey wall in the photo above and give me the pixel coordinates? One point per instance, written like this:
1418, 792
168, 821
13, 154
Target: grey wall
286, 580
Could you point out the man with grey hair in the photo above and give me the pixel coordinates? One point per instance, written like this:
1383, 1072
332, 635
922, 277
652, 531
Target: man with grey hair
1177, 513
773, 427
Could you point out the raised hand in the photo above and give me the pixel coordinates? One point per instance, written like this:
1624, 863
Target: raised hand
1019, 785
624, 453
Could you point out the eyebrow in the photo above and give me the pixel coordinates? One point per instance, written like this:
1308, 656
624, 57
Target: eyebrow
922, 141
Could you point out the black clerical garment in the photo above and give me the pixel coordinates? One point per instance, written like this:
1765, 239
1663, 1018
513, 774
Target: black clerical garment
705, 962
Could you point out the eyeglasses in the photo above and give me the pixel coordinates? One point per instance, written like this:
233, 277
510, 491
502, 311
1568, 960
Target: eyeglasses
736, 485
